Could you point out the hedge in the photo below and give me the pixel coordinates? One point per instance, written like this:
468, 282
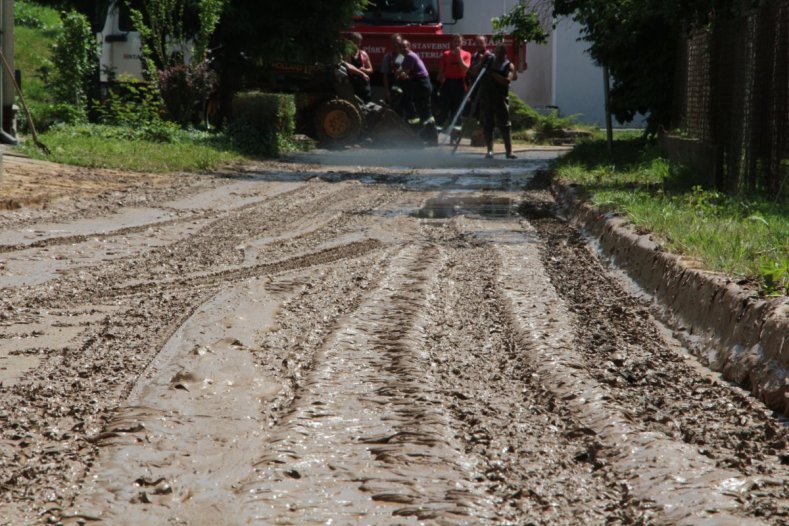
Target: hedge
262, 122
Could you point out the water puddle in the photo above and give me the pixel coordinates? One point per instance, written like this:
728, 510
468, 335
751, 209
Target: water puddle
420, 170
445, 207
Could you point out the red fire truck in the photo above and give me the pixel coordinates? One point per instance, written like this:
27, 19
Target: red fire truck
326, 105
420, 22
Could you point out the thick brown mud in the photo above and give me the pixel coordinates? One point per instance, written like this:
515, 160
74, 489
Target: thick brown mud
334, 341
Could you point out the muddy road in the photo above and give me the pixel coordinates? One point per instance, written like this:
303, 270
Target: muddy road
405, 339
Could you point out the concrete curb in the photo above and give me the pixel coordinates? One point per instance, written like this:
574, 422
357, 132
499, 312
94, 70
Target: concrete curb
732, 331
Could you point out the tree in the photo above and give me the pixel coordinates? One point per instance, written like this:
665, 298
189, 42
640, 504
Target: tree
255, 33
175, 36
638, 42
75, 58
297, 30
523, 22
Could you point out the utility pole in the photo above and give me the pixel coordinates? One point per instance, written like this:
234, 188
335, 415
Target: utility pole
7, 40
609, 125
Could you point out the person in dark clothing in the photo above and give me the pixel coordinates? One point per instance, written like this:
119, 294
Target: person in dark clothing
391, 64
479, 59
417, 88
359, 69
494, 107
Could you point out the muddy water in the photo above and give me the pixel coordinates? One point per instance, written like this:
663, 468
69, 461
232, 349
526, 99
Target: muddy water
334, 341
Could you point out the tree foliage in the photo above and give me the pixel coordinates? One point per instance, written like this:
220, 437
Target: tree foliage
297, 30
253, 34
523, 23
75, 60
638, 41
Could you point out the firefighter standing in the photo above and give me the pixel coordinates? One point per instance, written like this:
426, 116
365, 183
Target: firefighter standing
454, 65
479, 59
494, 100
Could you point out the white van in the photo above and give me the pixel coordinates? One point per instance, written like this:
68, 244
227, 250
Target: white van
121, 45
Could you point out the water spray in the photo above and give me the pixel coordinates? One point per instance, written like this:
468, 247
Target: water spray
463, 105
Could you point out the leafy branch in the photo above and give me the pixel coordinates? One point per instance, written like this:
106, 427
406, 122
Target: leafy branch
523, 23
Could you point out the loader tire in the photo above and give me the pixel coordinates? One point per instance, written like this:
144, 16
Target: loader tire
337, 122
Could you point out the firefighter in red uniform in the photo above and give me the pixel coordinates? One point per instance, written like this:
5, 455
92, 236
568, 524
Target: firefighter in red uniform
453, 66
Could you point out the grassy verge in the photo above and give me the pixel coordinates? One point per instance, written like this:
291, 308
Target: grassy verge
145, 147
745, 237
97, 146
37, 27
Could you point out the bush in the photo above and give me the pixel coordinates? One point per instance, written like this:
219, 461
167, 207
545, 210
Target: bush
522, 116
185, 88
130, 102
531, 125
50, 114
263, 122
75, 58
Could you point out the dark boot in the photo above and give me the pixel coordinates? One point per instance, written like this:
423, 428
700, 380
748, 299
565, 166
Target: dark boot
506, 133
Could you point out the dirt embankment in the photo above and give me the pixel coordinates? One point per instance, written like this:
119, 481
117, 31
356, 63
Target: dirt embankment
730, 328
297, 343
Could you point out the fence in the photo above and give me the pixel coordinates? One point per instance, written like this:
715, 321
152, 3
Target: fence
732, 101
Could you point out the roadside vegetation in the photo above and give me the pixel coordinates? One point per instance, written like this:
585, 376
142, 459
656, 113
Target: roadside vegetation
36, 30
530, 125
152, 126
744, 236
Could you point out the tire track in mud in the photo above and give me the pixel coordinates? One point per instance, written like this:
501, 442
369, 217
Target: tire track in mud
82, 238
366, 439
323, 257
623, 349
324, 207
56, 411
534, 460
157, 462
48, 444
681, 484
188, 214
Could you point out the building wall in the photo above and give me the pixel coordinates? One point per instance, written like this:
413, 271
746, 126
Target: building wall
578, 82
534, 85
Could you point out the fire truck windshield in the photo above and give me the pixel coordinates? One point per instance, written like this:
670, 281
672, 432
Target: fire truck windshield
400, 12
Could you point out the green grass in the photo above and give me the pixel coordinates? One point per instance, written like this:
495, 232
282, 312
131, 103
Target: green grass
32, 57
97, 146
746, 237
157, 147
32, 14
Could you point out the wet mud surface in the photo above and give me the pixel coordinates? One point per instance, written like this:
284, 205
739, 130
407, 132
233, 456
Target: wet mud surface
352, 339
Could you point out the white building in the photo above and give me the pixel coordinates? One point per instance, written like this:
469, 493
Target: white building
560, 74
